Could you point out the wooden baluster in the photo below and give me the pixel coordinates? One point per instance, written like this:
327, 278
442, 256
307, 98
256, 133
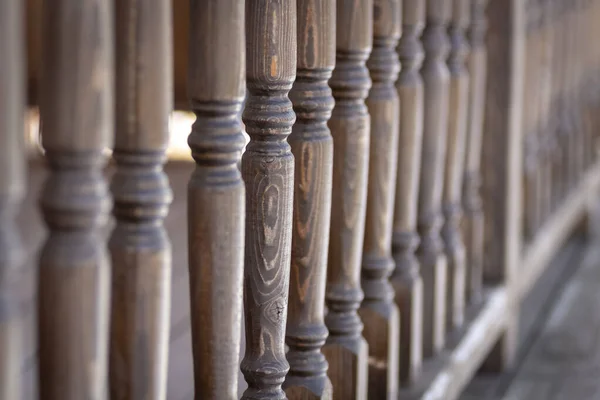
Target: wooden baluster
568, 35
312, 147
577, 82
430, 252
530, 140
558, 104
472, 202
216, 194
455, 161
378, 311
346, 349
406, 278
268, 171
140, 248
77, 113
12, 191
544, 127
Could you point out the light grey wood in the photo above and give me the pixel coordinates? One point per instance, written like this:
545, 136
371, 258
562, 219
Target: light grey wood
406, 278
433, 261
502, 160
455, 162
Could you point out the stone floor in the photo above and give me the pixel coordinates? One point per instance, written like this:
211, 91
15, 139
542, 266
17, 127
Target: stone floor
562, 360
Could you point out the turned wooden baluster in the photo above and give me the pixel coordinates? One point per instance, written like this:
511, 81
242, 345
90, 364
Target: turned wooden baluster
76, 108
430, 252
378, 311
406, 278
268, 171
345, 349
140, 248
216, 194
472, 202
455, 159
312, 147
12, 190
543, 122
530, 141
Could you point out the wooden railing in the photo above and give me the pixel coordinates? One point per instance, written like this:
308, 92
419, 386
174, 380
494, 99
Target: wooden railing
413, 165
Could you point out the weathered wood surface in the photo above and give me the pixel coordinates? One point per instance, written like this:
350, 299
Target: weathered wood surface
406, 278
345, 349
140, 248
455, 162
312, 146
216, 194
268, 172
471, 200
431, 255
12, 191
180, 372
77, 110
378, 310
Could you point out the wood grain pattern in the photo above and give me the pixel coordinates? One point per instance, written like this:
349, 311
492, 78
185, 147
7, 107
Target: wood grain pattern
268, 171
346, 349
378, 311
216, 194
74, 276
406, 278
471, 197
455, 162
12, 192
312, 146
430, 252
139, 245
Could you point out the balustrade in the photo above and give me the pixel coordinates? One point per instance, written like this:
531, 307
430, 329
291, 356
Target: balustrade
412, 167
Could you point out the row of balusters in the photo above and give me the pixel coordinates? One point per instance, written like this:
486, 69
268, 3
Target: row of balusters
344, 229
560, 117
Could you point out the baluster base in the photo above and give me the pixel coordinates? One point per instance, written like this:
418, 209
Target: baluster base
409, 299
348, 367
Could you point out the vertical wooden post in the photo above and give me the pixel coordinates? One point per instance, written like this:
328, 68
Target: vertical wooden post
455, 161
216, 194
530, 140
472, 203
436, 91
312, 147
406, 278
12, 190
140, 248
345, 349
502, 163
544, 126
378, 311
268, 171
77, 113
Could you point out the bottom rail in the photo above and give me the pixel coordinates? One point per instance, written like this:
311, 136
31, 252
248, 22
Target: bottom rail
445, 377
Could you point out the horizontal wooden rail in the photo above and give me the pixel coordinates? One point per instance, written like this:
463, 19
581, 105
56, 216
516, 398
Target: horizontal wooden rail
445, 378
